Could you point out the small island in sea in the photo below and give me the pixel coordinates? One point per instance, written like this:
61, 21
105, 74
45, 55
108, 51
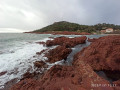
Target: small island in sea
71, 57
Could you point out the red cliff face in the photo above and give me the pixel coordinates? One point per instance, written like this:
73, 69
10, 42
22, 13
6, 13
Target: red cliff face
103, 54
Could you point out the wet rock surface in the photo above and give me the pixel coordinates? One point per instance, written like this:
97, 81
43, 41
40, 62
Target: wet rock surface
2, 73
101, 55
41, 43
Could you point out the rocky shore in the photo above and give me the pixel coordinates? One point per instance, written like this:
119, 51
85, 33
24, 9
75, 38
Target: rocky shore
61, 33
102, 55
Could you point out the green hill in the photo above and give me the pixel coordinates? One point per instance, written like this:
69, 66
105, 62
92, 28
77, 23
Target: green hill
68, 26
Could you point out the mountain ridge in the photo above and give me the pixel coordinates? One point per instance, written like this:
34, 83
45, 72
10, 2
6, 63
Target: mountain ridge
69, 26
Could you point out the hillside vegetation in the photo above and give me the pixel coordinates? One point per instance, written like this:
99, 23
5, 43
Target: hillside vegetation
68, 26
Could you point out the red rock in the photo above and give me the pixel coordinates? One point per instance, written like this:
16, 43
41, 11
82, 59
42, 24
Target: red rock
65, 77
27, 84
116, 85
103, 53
39, 53
10, 83
2, 73
57, 54
33, 75
41, 43
28, 75
92, 40
39, 64
71, 42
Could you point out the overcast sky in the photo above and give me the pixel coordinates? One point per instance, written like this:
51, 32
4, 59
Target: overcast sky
26, 15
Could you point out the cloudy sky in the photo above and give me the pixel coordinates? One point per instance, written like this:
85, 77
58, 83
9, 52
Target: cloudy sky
27, 15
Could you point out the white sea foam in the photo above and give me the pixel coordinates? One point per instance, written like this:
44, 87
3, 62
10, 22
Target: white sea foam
17, 62
56, 63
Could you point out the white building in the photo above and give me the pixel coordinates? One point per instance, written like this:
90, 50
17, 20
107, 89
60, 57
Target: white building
109, 30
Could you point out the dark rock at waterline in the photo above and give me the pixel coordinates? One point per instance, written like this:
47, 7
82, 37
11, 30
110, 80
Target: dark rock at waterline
33, 75
2, 73
9, 84
41, 43
39, 64
41, 52
51, 37
57, 54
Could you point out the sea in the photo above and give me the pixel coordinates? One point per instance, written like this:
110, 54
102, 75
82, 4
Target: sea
18, 52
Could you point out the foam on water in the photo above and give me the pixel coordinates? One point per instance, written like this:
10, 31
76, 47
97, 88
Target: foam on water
16, 63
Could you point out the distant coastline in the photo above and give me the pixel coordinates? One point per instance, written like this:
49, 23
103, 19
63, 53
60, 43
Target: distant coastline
68, 28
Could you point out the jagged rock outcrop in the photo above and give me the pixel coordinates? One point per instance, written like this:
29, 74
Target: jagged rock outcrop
64, 78
64, 48
68, 42
57, 54
2, 73
92, 40
103, 54
39, 64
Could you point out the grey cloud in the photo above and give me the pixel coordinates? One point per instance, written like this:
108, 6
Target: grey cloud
34, 14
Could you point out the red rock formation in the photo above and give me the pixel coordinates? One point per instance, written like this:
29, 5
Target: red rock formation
103, 54
116, 85
27, 84
2, 73
33, 75
41, 43
39, 53
70, 42
92, 40
57, 54
62, 51
65, 77
39, 64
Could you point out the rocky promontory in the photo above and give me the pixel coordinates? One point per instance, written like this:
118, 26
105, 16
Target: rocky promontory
102, 55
